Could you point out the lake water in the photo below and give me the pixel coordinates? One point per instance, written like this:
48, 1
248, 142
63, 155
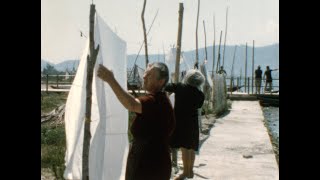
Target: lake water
271, 115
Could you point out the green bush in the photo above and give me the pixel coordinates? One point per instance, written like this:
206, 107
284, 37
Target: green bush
53, 147
53, 136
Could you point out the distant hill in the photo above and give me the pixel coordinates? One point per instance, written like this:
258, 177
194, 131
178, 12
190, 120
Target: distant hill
263, 56
63, 66
44, 64
67, 65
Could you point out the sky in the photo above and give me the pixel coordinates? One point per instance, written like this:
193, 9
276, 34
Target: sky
248, 20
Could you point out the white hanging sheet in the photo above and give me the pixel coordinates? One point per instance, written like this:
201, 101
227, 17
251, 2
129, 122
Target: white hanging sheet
109, 140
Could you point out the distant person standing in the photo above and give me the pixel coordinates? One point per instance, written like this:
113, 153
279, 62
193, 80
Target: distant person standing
258, 77
268, 77
222, 71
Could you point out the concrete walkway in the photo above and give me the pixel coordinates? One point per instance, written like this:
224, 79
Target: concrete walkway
238, 147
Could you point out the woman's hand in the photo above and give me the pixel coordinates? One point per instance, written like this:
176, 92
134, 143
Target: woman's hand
105, 74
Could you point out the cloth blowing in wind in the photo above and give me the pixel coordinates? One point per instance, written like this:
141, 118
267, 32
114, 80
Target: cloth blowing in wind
109, 139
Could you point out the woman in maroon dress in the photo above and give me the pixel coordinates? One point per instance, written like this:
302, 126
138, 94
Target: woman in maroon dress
149, 154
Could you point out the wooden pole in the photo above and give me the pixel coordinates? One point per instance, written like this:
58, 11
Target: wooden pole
47, 83
205, 40
245, 72
225, 37
57, 80
144, 33
206, 88
234, 57
144, 40
230, 85
91, 60
240, 75
178, 52
248, 85
197, 53
238, 84
252, 65
218, 61
214, 46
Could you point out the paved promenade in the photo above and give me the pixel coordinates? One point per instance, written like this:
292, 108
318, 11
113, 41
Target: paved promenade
238, 147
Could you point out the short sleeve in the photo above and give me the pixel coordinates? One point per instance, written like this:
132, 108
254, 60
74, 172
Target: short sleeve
171, 87
147, 104
201, 100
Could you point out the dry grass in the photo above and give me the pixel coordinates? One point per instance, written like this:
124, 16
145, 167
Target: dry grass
51, 100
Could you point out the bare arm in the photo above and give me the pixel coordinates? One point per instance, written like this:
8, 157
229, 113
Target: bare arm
126, 99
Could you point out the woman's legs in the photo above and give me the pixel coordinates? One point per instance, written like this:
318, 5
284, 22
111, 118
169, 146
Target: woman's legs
188, 158
192, 157
185, 161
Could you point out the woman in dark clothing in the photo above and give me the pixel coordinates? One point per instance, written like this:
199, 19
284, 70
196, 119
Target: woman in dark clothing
149, 154
188, 99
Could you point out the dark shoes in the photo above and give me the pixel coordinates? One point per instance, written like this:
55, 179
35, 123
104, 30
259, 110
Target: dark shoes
180, 177
184, 176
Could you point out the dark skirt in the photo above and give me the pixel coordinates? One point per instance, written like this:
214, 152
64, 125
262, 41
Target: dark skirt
186, 135
148, 161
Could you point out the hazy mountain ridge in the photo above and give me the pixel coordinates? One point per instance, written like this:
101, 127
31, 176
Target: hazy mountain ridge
263, 56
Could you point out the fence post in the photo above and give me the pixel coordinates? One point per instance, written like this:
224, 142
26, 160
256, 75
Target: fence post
248, 85
252, 85
47, 83
231, 84
57, 80
238, 84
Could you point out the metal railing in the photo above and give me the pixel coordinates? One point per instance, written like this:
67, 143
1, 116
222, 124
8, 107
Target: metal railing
248, 85
56, 81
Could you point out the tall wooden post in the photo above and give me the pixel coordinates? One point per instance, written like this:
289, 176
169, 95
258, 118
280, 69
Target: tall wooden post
218, 61
47, 83
245, 72
177, 70
214, 46
248, 85
213, 60
205, 40
225, 37
206, 86
252, 65
234, 57
144, 40
240, 75
144, 33
197, 54
91, 60
57, 80
178, 52
238, 84
231, 85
